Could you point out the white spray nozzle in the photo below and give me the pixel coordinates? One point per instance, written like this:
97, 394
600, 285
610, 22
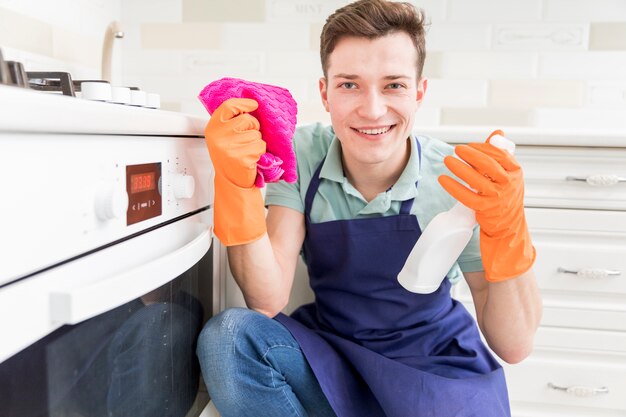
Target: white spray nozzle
501, 142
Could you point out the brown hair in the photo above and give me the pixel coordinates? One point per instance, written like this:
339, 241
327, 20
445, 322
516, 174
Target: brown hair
374, 19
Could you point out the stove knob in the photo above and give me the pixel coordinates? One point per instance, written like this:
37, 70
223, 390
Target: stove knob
97, 91
138, 98
111, 203
154, 101
120, 95
184, 186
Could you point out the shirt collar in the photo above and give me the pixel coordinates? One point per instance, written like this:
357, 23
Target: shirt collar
333, 167
403, 189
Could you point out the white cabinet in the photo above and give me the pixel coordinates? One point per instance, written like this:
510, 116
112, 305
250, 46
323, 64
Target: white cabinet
576, 211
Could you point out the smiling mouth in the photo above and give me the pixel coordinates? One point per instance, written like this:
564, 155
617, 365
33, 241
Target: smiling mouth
376, 131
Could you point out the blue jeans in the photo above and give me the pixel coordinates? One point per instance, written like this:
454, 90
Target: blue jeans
253, 366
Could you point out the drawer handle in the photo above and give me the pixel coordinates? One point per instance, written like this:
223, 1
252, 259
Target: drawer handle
600, 180
579, 391
591, 273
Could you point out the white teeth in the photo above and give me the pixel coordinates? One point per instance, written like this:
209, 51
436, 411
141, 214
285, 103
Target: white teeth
375, 131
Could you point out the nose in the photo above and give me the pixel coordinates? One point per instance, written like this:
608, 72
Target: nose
372, 106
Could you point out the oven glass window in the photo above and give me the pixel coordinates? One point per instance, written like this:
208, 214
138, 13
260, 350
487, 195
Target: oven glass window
135, 360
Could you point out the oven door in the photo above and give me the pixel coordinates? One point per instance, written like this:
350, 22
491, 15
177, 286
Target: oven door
112, 333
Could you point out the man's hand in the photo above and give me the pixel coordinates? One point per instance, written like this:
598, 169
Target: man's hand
235, 145
497, 197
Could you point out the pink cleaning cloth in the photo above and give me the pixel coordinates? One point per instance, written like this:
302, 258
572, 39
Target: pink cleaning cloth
277, 116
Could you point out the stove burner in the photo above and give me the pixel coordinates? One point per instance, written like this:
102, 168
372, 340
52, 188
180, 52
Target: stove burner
52, 81
4, 71
17, 73
59, 81
13, 73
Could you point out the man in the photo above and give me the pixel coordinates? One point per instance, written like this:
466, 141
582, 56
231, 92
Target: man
366, 188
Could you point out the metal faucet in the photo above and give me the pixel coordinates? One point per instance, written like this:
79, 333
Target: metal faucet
113, 32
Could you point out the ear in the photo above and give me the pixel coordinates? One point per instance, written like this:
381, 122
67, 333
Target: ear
323, 86
422, 85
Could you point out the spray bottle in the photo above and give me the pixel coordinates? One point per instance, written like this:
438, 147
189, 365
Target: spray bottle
442, 242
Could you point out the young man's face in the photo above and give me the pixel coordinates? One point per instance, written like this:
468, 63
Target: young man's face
372, 94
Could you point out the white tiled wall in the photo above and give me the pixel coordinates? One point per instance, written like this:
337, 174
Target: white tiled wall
489, 11
543, 63
84, 17
61, 35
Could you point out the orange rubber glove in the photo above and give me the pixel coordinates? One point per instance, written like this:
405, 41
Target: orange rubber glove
235, 145
498, 200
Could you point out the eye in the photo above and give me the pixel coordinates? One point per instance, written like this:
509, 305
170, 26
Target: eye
395, 86
348, 85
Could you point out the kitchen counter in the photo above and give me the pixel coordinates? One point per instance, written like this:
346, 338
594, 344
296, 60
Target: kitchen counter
30, 110
23, 107
529, 135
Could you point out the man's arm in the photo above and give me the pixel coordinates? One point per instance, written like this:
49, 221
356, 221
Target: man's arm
508, 313
265, 268
508, 304
262, 250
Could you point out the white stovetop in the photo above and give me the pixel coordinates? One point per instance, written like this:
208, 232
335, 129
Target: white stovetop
23, 110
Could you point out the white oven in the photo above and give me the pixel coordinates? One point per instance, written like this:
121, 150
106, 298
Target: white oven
107, 269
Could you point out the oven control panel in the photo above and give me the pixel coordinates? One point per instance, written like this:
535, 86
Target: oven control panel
144, 194
80, 192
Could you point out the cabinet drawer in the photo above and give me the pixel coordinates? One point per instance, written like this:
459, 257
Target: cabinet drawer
578, 240
569, 379
550, 338
573, 313
546, 410
547, 169
580, 252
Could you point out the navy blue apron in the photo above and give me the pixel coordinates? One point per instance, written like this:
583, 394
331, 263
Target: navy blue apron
378, 349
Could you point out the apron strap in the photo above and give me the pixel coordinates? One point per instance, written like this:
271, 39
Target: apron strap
312, 190
407, 205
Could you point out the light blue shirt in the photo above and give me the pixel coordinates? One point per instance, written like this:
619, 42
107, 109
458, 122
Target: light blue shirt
337, 199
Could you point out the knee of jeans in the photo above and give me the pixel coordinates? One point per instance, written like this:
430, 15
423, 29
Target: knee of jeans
217, 346
219, 333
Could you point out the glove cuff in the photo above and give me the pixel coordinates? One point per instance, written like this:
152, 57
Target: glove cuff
239, 213
508, 257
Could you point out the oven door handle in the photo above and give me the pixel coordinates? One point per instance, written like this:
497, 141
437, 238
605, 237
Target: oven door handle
75, 304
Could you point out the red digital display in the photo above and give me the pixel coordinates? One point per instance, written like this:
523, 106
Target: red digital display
144, 196
142, 182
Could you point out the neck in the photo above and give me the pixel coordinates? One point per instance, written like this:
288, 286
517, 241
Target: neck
373, 179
